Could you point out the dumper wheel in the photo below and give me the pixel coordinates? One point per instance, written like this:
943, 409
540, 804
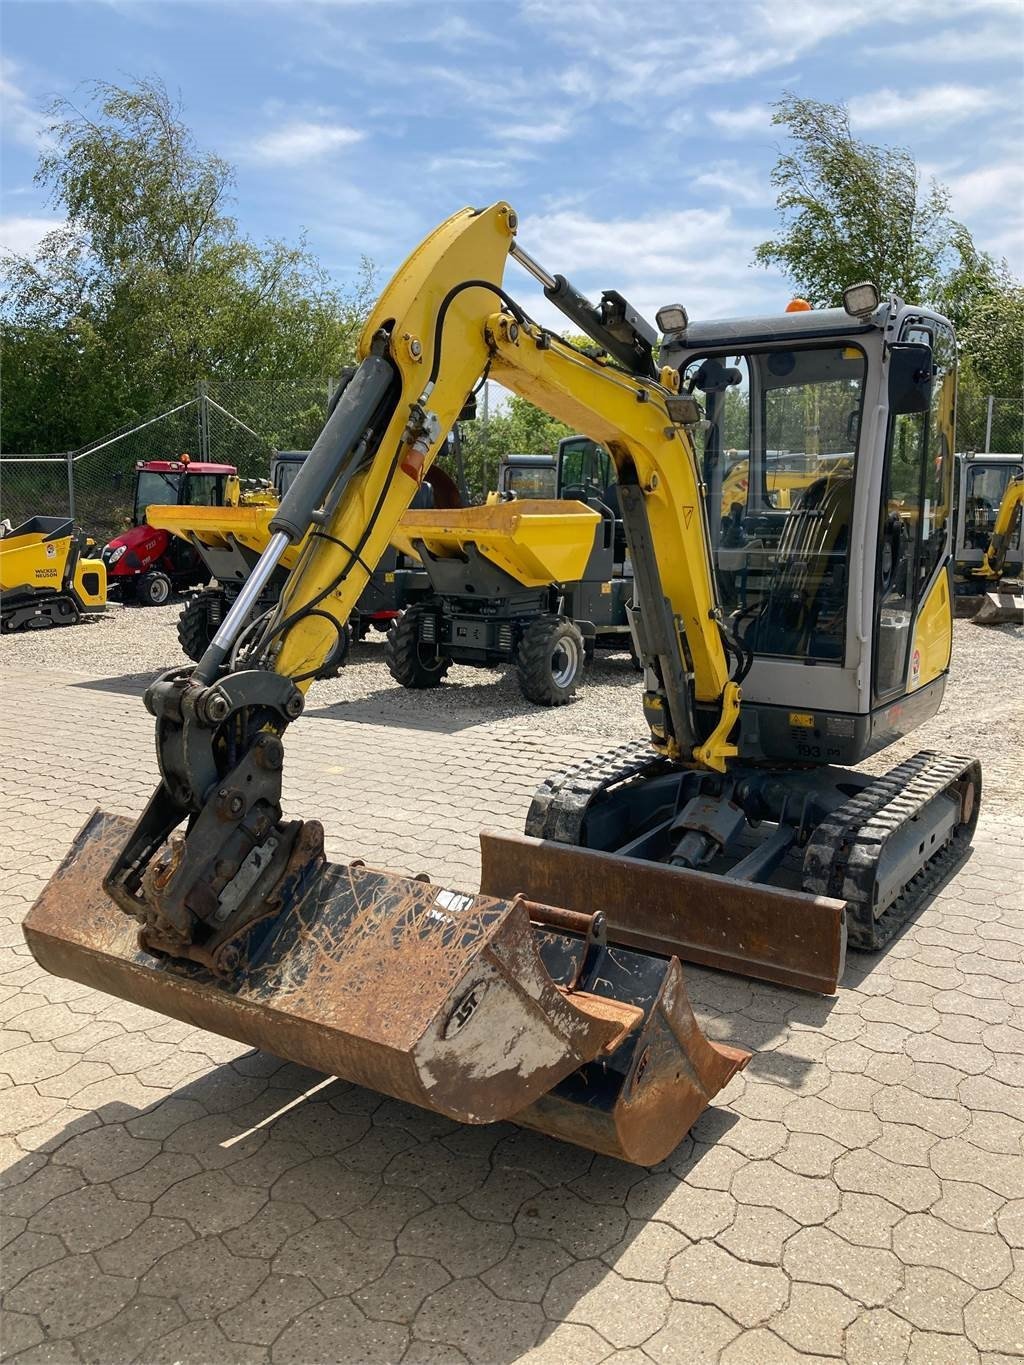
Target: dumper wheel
195, 629
411, 661
550, 661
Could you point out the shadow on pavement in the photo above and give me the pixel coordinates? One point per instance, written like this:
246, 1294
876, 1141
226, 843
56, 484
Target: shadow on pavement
126, 685
261, 1203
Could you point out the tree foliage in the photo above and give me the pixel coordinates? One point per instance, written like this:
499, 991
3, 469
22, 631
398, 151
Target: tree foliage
853, 211
149, 287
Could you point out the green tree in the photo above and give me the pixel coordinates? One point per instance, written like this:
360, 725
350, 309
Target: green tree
150, 288
852, 211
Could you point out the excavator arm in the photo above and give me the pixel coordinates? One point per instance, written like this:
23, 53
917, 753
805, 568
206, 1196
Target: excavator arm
1010, 509
480, 1007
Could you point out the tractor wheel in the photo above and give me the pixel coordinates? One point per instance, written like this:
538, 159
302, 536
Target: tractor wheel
195, 629
338, 656
410, 661
154, 589
550, 661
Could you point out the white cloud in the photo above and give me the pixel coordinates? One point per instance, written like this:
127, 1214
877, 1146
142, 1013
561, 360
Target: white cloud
731, 180
303, 140
21, 235
931, 106
699, 257
22, 122
752, 118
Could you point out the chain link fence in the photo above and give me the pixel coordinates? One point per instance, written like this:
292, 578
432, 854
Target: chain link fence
239, 423
988, 422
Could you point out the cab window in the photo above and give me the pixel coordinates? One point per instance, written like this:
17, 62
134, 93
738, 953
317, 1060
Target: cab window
778, 451
204, 490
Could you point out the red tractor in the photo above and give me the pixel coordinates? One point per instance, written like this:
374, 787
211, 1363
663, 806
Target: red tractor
145, 565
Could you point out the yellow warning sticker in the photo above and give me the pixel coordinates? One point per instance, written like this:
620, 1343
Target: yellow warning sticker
606, 588
687, 516
802, 720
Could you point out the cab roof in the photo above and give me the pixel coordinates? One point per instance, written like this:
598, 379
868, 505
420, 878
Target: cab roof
814, 322
180, 467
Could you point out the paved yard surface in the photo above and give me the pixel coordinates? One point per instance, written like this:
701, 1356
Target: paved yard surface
858, 1193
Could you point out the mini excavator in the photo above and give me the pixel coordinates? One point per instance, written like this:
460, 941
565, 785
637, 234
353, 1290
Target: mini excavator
781, 644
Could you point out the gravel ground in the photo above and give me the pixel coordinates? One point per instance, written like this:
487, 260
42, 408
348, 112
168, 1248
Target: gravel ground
982, 714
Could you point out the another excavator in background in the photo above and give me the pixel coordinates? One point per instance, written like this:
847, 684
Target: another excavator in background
555, 996
1004, 596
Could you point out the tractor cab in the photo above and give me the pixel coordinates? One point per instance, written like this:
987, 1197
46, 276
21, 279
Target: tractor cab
148, 565
527, 476
178, 483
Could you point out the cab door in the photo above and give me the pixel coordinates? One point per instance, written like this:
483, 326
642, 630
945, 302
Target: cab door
913, 617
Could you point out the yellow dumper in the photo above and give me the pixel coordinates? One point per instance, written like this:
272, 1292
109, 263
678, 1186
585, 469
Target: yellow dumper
45, 579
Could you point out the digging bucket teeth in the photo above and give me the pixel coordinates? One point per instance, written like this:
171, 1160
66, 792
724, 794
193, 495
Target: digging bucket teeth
478, 1007
787, 937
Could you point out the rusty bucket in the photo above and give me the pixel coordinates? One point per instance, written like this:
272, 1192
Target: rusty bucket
478, 1007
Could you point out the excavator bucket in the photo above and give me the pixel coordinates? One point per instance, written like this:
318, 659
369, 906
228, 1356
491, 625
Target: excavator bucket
478, 1007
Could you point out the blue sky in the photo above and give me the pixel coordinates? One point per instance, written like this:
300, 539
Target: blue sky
634, 140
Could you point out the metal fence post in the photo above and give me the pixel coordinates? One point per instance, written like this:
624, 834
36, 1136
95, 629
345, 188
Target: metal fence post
71, 484
204, 420
988, 422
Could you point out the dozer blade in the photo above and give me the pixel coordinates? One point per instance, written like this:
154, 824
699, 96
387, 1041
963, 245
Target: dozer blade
454, 1002
1000, 609
788, 937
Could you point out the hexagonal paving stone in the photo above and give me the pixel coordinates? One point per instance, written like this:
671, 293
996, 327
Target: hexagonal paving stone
585, 1230
695, 1213
645, 1251
204, 1277
210, 1202
106, 1153
759, 1347
270, 1229
909, 1188
819, 1256
624, 1312
89, 1218
333, 1257
338, 1331
466, 1315
124, 1337
928, 1348
694, 1334
527, 1270
932, 1299
866, 1220
199, 1343
460, 1243
396, 1295
325, 1187
71, 1295
569, 1343
994, 1321
134, 1254
705, 1273
262, 1317
876, 1336
804, 1198
815, 1319
982, 1259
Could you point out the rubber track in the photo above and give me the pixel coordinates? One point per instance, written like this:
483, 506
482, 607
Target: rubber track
844, 851
842, 856
560, 803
